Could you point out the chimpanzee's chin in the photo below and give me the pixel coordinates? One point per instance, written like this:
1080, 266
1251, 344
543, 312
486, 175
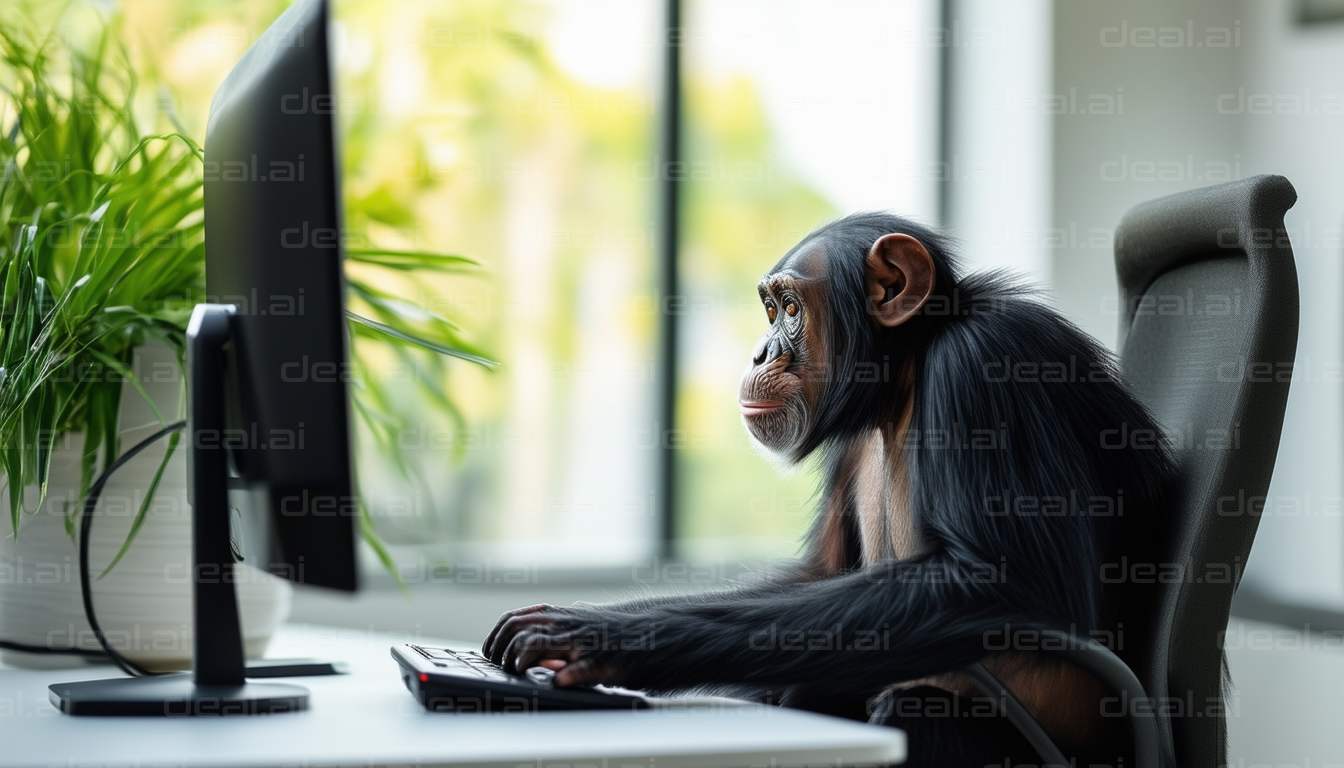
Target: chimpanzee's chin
777, 446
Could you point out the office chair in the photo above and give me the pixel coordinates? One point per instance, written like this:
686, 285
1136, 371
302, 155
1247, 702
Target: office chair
1208, 332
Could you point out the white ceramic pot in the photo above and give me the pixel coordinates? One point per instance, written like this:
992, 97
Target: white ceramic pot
144, 603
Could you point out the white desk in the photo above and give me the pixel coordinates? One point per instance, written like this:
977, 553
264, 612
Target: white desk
368, 719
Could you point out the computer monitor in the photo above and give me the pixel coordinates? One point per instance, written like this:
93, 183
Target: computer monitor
273, 252
268, 407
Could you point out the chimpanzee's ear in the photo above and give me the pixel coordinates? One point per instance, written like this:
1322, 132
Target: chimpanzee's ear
899, 278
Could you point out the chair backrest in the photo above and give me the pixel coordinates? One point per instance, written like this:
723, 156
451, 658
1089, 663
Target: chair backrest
1208, 332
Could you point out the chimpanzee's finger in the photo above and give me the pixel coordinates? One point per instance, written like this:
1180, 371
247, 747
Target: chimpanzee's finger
530, 646
508, 630
490, 639
585, 672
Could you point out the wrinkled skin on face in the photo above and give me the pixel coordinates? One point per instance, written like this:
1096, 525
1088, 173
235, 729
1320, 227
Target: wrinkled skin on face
783, 383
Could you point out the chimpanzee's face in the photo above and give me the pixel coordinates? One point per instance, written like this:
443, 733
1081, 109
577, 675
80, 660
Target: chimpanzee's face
782, 385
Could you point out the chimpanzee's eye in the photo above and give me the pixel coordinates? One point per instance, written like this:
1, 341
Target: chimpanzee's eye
793, 315
771, 312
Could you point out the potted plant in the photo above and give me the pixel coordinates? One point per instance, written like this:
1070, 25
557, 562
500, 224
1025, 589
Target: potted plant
101, 261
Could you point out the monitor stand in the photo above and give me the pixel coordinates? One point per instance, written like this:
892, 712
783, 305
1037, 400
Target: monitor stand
217, 684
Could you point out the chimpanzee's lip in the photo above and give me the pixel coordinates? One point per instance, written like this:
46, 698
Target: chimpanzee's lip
757, 407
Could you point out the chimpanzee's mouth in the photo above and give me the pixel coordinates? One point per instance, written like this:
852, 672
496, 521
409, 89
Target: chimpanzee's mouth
758, 407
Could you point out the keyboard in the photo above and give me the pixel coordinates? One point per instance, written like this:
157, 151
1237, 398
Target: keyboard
448, 680
468, 663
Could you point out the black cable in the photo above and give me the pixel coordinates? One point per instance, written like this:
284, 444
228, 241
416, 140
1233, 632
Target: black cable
86, 521
6, 645
278, 668
86, 525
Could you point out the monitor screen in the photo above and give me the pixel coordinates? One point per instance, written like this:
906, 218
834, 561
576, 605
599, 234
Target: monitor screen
273, 251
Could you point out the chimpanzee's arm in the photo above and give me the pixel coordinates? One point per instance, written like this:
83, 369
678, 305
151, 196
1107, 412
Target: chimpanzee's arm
857, 632
777, 580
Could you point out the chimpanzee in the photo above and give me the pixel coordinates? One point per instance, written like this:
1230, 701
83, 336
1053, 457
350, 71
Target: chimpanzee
976, 482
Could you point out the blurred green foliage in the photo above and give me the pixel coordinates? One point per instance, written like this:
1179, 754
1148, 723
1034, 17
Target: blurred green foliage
103, 248
486, 144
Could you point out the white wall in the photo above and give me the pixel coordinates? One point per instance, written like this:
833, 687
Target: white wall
1184, 126
1299, 551
1164, 115
1287, 693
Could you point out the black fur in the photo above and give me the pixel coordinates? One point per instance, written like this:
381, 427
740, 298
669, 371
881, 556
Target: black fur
989, 452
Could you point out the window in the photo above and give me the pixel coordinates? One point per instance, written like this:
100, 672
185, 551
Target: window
530, 134
515, 133
525, 134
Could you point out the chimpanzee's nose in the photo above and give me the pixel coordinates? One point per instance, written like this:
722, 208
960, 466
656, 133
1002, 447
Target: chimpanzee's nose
758, 354
768, 349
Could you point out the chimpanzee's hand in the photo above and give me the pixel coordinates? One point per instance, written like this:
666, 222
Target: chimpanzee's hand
578, 642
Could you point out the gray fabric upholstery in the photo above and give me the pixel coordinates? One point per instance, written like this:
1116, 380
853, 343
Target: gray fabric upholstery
1208, 329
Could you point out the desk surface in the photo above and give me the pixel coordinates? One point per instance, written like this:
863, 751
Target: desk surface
368, 719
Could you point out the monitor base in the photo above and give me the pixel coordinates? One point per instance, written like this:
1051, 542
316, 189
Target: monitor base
294, 668
174, 696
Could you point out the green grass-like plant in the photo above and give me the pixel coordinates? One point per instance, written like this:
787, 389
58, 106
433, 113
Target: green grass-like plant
102, 249
103, 246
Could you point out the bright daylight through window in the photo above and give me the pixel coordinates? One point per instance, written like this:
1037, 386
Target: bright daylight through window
549, 177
